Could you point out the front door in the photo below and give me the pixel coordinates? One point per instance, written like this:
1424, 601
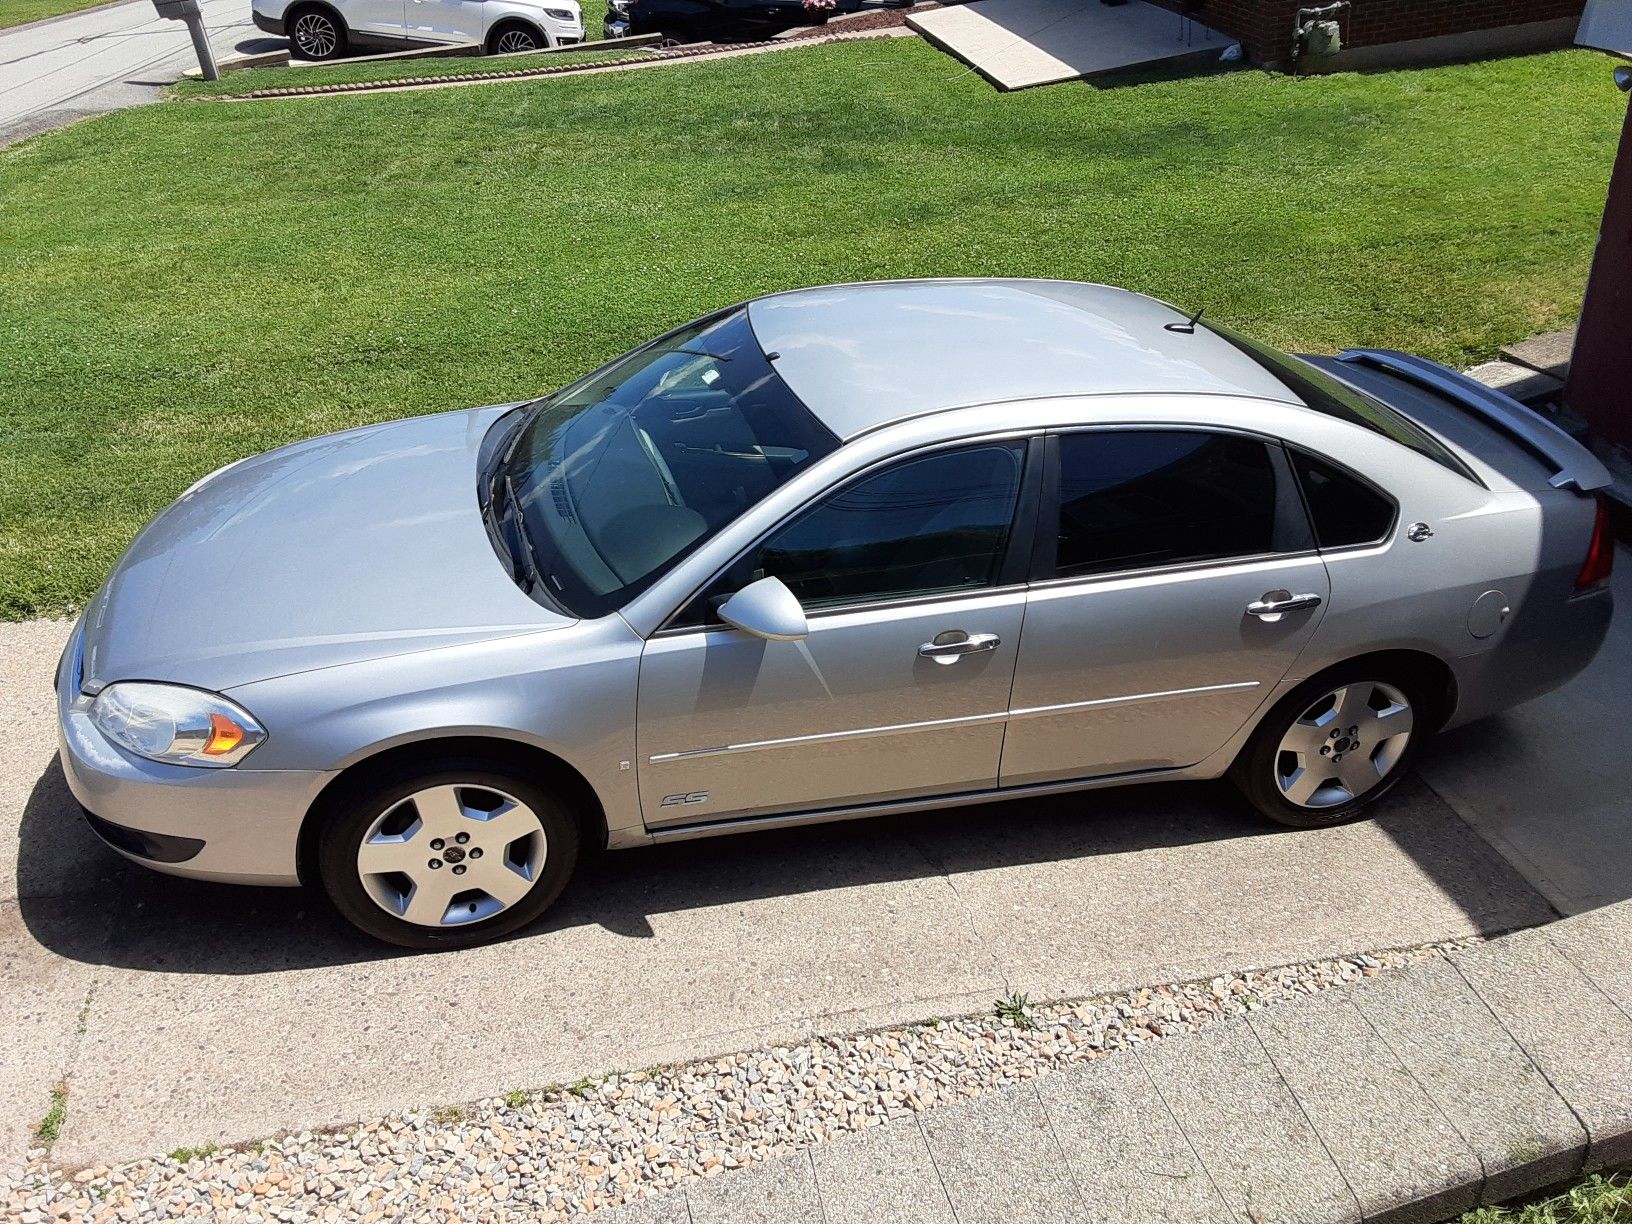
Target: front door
901, 687
1181, 587
384, 17
445, 21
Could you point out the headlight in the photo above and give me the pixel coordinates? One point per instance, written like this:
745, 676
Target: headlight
176, 725
561, 14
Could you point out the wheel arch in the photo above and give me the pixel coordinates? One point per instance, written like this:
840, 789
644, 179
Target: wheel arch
386, 761
1435, 675
292, 11
510, 21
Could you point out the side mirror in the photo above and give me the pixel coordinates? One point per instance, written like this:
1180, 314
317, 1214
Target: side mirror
766, 609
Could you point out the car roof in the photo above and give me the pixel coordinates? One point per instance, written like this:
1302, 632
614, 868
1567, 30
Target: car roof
863, 356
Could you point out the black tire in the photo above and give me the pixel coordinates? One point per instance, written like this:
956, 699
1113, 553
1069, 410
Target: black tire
353, 813
516, 32
1261, 765
316, 33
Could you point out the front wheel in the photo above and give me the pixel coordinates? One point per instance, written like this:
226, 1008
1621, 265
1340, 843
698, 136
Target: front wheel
512, 37
449, 857
1333, 746
317, 34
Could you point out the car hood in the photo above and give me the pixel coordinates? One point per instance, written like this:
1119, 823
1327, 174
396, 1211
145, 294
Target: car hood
348, 547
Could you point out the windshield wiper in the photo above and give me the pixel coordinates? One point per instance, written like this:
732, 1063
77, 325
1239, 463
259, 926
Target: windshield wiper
529, 555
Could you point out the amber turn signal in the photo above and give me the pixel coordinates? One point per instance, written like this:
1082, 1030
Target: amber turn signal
225, 735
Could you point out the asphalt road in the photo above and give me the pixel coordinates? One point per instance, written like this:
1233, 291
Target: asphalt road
52, 72
181, 1013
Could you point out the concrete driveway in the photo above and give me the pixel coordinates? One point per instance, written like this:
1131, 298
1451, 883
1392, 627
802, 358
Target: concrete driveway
181, 1013
55, 71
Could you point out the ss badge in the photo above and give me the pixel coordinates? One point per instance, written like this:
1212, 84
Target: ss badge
680, 800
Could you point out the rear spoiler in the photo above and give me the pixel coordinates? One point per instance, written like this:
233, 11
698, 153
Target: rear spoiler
1575, 467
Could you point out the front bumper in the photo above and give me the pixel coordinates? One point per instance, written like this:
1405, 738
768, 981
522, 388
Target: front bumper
234, 826
272, 25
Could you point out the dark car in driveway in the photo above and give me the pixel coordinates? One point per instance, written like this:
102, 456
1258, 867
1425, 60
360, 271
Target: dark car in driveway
690, 21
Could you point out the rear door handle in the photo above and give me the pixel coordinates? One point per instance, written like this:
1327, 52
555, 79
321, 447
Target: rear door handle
951, 652
1276, 604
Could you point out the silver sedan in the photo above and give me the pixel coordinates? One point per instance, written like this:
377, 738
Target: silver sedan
834, 553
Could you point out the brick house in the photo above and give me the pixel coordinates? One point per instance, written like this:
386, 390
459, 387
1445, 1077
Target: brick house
1379, 32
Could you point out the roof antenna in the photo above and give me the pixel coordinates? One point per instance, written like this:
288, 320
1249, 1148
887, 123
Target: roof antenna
1188, 327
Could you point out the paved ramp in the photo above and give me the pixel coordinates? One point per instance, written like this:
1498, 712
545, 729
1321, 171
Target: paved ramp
1019, 43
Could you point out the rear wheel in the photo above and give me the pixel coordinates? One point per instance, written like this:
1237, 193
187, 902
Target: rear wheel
1333, 746
316, 34
447, 857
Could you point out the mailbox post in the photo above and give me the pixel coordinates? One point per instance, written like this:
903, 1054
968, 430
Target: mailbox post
192, 14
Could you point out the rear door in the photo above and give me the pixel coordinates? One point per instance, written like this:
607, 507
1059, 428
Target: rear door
1175, 583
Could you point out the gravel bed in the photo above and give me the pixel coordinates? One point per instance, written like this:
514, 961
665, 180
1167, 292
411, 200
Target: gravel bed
564, 1151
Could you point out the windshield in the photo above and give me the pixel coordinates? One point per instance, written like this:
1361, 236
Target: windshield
621, 475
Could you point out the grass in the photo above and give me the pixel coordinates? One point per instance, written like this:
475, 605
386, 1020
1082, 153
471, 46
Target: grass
45, 1134
186, 1155
182, 285
1596, 1199
1015, 1008
18, 12
248, 80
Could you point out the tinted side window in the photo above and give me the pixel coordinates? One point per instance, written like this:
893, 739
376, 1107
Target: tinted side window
1131, 499
923, 526
1344, 510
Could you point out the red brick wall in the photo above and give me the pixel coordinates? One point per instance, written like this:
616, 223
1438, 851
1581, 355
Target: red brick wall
1264, 27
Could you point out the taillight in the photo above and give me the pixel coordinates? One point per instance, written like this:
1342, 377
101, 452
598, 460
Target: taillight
1600, 553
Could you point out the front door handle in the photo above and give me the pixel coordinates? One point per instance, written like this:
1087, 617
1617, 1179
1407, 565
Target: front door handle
952, 651
1276, 604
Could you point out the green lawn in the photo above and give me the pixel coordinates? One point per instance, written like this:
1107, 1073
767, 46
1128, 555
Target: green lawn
184, 284
251, 79
16, 12
1598, 1199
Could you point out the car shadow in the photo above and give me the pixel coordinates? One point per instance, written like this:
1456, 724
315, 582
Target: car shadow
82, 901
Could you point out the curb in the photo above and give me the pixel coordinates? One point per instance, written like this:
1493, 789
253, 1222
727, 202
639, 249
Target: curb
642, 60
1409, 1098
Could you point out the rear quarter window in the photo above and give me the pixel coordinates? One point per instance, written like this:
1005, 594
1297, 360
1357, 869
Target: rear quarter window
1344, 510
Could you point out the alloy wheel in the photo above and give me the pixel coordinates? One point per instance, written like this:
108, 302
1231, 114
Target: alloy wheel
1344, 744
451, 855
315, 36
516, 40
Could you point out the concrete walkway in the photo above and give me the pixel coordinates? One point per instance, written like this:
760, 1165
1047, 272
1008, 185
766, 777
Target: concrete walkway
1016, 44
1410, 1097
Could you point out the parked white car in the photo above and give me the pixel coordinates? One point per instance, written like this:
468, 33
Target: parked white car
325, 29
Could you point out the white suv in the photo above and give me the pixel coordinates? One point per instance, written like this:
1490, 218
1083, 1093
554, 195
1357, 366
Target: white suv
323, 29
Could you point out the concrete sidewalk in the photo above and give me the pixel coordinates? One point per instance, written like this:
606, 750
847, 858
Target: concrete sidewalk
1411, 1097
